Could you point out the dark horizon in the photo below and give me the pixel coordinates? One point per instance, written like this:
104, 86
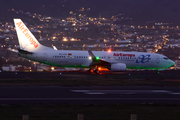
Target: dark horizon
139, 10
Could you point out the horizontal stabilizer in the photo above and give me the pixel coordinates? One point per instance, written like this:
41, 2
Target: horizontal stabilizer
24, 51
55, 48
13, 50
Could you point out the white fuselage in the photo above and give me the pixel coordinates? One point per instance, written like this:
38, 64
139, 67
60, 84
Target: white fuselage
73, 58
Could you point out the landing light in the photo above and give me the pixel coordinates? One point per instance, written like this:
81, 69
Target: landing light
52, 68
90, 57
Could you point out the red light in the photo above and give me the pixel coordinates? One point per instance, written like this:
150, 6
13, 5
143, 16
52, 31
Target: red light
102, 69
109, 50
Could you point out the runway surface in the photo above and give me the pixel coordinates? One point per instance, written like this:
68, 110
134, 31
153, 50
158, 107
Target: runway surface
169, 74
26, 92
89, 95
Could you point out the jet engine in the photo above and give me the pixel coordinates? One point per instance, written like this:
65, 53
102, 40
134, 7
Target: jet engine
118, 67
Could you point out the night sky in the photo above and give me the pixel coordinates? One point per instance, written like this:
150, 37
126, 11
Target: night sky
139, 10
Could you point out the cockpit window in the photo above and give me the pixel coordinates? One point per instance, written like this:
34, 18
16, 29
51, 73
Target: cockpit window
165, 58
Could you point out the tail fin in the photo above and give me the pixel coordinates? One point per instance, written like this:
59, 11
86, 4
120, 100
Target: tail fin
27, 41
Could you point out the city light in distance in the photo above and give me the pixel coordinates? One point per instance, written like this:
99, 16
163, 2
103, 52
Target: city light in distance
65, 39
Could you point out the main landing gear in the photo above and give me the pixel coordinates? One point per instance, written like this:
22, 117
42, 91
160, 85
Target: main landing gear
94, 70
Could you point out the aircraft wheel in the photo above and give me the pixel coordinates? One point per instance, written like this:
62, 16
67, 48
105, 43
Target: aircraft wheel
97, 71
91, 70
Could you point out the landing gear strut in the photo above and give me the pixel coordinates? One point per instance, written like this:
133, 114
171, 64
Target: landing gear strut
157, 72
97, 71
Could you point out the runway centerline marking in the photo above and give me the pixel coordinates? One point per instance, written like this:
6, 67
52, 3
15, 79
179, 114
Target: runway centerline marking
125, 92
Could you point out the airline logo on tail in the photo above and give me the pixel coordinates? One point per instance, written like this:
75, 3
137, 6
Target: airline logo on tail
26, 33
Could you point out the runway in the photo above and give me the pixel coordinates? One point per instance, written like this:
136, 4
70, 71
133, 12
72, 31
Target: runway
169, 74
89, 95
85, 88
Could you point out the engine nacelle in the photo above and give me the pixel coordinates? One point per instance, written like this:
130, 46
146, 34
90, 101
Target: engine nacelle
118, 67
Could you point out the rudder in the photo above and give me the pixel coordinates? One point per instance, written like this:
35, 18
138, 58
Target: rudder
27, 41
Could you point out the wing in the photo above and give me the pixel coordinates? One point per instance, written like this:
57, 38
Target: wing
96, 61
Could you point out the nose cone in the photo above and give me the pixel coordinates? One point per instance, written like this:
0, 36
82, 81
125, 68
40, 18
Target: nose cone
171, 63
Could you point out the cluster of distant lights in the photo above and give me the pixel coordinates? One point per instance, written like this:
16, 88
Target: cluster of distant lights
92, 19
155, 27
82, 9
72, 39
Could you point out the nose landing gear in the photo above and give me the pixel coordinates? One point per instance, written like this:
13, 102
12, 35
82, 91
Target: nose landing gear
157, 72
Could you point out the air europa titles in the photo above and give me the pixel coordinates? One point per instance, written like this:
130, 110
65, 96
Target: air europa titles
124, 55
25, 32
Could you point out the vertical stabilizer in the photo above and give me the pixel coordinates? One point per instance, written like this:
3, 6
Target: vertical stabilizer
27, 41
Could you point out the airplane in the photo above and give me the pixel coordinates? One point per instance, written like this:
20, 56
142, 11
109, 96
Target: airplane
115, 61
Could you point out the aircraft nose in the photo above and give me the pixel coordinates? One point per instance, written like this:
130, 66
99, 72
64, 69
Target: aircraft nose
171, 63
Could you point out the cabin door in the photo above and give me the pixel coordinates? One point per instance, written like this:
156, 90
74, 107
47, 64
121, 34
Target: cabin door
157, 59
44, 56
